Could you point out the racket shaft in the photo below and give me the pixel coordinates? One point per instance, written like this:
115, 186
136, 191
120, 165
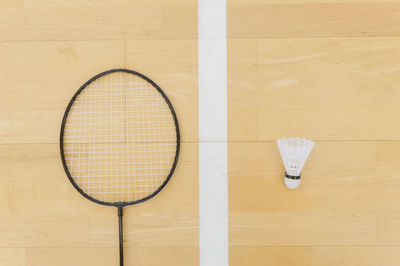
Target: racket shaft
121, 238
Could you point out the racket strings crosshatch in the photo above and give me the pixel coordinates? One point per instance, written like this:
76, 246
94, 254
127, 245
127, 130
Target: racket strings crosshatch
119, 140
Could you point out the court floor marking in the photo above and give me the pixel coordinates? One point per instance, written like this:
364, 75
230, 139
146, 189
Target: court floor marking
213, 166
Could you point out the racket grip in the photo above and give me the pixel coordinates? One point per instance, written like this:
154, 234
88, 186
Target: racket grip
121, 237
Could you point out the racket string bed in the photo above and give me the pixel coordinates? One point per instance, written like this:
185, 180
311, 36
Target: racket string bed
123, 130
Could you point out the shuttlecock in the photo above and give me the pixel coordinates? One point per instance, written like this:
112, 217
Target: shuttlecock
294, 153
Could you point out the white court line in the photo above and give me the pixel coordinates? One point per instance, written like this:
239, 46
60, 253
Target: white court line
213, 172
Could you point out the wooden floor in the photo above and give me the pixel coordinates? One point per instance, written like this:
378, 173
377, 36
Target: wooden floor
48, 49
328, 70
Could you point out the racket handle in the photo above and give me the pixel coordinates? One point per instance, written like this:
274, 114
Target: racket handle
121, 237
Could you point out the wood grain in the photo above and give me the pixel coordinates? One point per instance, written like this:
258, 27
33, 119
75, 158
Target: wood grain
48, 49
35, 92
101, 3
11, 3
314, 256
66, 65
12, 256
325, 89
40, 208
313, 19
341, 168
277, 256
106, 256
172, 64
388, 173
302, 228
260, 2
143, 21
388, 256
326, 70
311, 256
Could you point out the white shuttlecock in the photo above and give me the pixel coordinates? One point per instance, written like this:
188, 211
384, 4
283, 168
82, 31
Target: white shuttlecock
294, 153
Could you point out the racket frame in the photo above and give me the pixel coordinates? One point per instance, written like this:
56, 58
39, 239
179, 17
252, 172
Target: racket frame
64, 121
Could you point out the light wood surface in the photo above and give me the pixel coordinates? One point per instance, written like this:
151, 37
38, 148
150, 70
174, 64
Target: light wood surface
155, 256
63, 218
48, 49
313, 19
87, 20
326, 70
173, 65
323, 69
323, 88
312, 256
257, 169
315, 256
12, 256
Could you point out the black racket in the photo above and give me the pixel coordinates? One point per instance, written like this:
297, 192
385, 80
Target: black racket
119, 140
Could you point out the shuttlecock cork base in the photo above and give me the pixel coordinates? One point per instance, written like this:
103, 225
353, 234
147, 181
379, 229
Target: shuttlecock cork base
291, 181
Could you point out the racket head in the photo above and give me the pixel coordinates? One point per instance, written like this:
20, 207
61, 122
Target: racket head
64, 158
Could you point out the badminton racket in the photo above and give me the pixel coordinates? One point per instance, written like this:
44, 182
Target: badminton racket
119, 140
